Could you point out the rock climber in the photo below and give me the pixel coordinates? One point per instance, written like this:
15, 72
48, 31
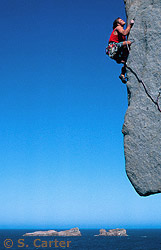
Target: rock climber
118, 45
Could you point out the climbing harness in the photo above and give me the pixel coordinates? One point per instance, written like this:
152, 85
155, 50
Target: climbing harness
144, 86
112, 50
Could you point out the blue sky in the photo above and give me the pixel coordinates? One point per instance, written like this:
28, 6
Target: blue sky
62, 110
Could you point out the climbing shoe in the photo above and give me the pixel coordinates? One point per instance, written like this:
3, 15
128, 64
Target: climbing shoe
123, 78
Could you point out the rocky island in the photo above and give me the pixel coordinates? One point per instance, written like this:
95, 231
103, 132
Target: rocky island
113, 232
71, 232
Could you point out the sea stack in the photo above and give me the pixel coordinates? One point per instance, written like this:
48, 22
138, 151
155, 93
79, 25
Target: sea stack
142, 124
113, 232
71, 232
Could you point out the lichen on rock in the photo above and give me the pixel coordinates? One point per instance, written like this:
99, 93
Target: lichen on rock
142, 124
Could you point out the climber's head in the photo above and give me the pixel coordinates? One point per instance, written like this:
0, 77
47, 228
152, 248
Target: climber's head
117, 22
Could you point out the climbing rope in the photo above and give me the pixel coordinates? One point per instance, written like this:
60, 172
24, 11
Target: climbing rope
144, 86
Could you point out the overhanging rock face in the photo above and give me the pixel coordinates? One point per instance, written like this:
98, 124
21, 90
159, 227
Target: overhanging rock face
142, 125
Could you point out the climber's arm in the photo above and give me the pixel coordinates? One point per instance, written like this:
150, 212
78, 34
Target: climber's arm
127, 30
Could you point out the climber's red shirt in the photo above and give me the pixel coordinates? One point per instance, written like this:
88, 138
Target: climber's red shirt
117, 38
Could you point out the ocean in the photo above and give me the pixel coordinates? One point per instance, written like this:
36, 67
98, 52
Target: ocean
138, 239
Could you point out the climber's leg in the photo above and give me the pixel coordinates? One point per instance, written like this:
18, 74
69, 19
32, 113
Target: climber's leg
121, 57
122, 53
123, 72
123, 78
125, 54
